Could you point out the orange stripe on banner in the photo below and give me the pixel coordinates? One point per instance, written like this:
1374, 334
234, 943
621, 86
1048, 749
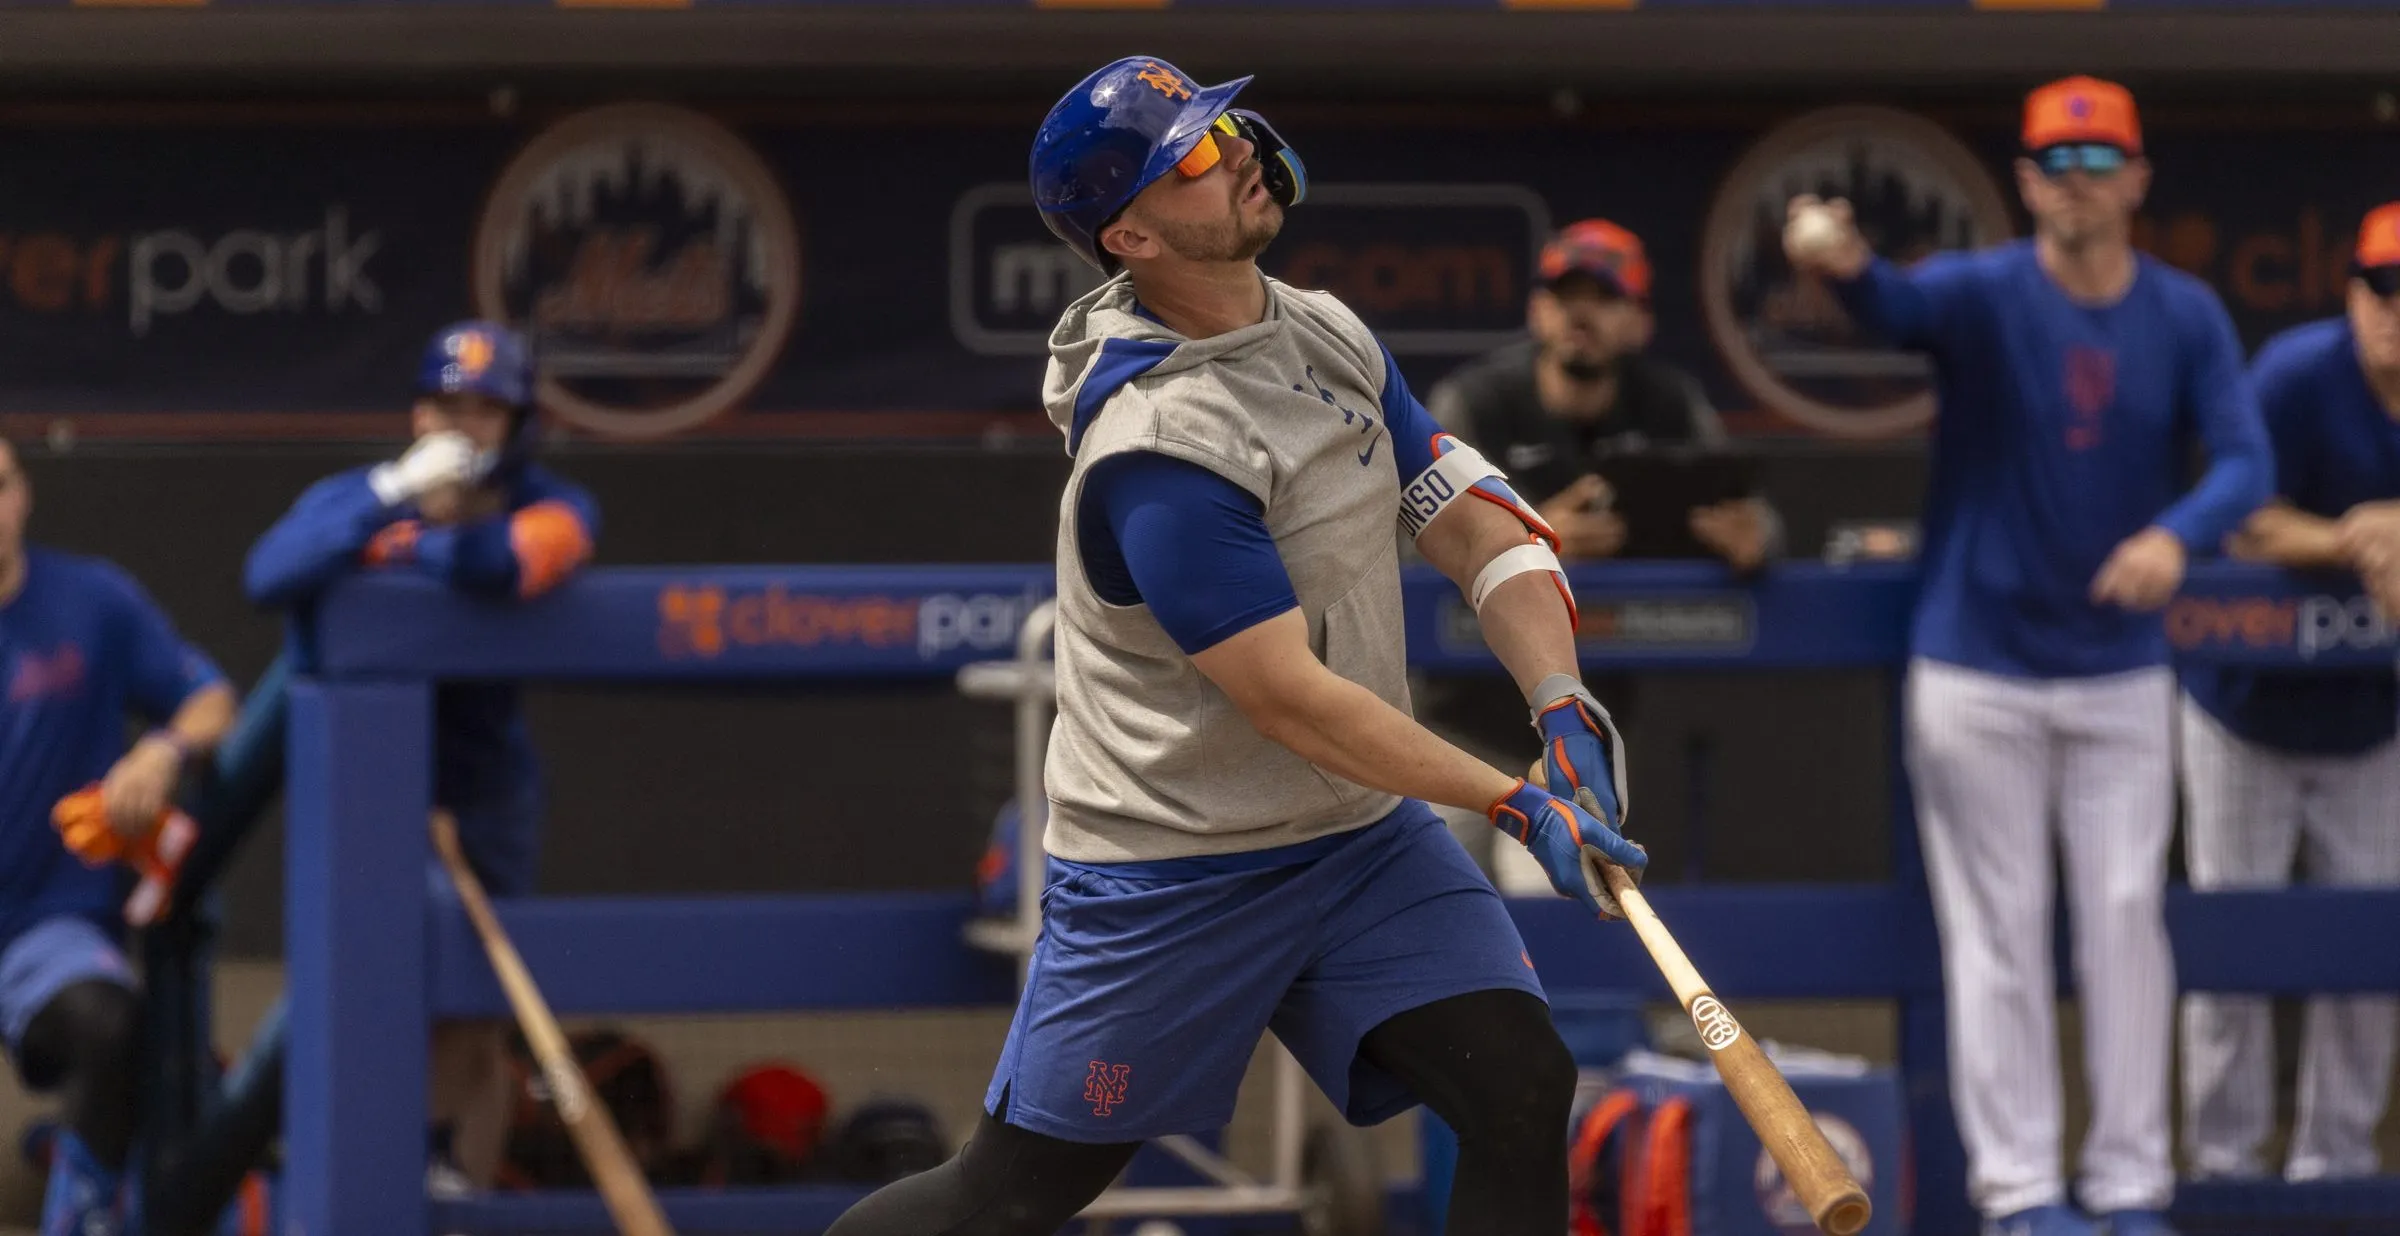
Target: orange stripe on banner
1570, 4
1100, 4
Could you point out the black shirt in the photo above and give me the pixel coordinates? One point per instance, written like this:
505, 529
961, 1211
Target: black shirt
1493, 404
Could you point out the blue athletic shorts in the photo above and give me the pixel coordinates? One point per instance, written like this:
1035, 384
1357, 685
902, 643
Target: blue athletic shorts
1153, 981
47, 958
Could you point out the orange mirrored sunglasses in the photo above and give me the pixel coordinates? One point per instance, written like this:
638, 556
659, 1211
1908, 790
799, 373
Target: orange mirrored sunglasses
1207, 154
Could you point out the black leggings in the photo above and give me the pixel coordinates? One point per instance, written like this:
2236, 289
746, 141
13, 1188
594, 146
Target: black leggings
1489, 1064
82, 1043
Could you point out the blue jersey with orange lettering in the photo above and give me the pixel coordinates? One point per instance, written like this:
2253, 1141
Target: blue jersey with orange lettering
542, 534
2064, 429
82, 647
2335, 447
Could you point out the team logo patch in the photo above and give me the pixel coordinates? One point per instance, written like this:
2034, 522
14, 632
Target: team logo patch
1785, 338
652, 256
36, 675
1163, 80
470, 354
1105, 1087
2091, 382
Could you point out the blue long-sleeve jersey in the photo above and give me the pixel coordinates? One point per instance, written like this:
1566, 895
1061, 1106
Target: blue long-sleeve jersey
2064, 428
2335, 447
81, 648
543, 533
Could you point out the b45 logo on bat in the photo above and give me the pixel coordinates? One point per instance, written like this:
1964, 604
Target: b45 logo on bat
1717, 1027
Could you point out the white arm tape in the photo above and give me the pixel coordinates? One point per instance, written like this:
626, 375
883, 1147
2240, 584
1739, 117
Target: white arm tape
1443, 482
1509, 564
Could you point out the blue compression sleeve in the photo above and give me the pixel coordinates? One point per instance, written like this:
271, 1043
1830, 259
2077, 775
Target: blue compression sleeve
1190, 544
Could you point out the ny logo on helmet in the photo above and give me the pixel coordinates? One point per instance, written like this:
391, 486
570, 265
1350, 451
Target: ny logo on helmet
472, 353
1164, 81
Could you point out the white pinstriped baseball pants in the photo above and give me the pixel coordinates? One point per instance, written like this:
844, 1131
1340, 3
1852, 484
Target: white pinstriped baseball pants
2250, 811
1994, 762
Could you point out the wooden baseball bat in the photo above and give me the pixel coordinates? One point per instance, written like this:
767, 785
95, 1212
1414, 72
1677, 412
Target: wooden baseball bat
597, 1141
1825, 1187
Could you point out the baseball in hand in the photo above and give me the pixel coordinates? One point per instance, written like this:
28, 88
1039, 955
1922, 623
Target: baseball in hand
1815, 232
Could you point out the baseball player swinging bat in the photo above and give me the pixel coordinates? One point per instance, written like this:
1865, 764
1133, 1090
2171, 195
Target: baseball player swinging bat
1826, 1189
597, 1141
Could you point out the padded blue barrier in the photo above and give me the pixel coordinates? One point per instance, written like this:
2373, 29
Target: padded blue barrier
372, 956
1364, 7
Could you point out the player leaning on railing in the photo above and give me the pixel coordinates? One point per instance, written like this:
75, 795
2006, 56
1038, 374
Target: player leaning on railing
2301, 768
1238, 828
468, 506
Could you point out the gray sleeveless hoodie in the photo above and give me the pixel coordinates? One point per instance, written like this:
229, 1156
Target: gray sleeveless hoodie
1148, 759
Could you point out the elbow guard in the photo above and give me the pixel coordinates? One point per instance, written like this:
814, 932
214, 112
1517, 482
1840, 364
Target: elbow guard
1460, 471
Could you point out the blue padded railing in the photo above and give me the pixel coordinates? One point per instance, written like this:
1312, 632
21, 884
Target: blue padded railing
372, 955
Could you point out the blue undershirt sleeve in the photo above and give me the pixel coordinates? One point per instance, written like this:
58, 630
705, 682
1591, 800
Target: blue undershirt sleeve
316, 542
2285, 400
2241, 464
1910, 308
1193, 546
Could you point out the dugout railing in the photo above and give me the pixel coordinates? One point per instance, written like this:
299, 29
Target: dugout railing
374, 952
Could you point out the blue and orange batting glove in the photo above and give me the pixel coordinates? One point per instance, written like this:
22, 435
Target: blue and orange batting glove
1580, 747
1561, 835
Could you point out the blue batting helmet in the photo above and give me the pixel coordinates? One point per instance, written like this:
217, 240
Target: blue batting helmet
478, 358
487, 359
1110, 137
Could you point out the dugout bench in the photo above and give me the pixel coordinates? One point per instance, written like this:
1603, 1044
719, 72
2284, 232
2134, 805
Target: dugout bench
372, 955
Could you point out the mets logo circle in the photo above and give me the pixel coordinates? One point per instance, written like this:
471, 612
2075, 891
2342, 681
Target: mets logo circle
652, 257
1781, 1205
1717, 1027
1915, 189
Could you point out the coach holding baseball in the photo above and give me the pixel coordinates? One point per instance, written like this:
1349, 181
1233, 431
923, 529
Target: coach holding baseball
2072, 373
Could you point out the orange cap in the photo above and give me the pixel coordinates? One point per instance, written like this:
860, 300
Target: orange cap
1601, 249
2082, 109
2379, 237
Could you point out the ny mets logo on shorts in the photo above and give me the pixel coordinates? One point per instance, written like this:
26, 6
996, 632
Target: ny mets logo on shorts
1105, 1088
1717, 1027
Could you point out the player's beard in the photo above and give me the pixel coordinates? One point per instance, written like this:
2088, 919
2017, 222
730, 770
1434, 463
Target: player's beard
1229, 239
1587, 364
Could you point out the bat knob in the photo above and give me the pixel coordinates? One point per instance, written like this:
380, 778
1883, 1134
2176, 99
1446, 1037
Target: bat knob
1847, 1216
